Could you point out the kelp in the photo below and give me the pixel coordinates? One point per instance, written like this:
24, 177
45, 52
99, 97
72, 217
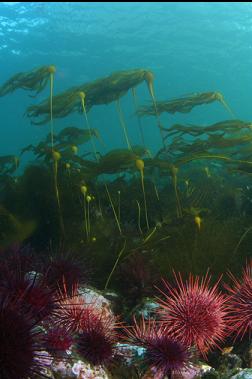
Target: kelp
221, 157
12, 230
66, 142
234, 143
42, 149
8, 164
69, 160
34, 80
101, 91
228, 126
187, 147
189, 173
76, 136
120, 159
220, 142
182, 105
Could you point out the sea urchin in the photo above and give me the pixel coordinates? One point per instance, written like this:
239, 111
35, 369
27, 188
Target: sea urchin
163, 355
194, 312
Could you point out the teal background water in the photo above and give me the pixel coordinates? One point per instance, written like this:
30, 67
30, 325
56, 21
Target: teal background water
191, 47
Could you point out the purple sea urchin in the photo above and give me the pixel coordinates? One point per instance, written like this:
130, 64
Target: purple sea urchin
65, 272
20, 342
96, 342
57, 340
164, 355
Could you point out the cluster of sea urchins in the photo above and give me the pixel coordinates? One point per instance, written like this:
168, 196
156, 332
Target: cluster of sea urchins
41, 319
193, 315
39, 315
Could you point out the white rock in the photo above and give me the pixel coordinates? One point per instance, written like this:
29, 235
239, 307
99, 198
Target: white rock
243, 374
91, 296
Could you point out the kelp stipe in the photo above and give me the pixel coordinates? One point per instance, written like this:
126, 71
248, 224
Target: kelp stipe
82, 96
56, 158
174, 172
221, 99
115, 265
113, 209
55, 154
140, 126
198, 222
139, 217
149, 78
123, 123
84, 193
140, 167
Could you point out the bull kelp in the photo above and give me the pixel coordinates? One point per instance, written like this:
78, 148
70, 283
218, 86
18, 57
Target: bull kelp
34, 80
184, 104
101, 91
80, 215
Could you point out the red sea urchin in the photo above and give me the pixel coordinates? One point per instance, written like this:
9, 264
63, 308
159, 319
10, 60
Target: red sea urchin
70, 311
240, 302
20, 345
164, 355
194, 312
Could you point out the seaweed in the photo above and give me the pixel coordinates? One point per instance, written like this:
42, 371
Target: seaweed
130, 214
118, 160
12, 230
35, 80
8, 164
182, 105
228, 126
101, 91
76, 136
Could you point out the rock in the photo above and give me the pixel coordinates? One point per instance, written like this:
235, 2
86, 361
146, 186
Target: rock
62, 369
189, 373
78, 369
207, 372
93, 296
85, 371
130, 352
231, 361
243, 374
147, 308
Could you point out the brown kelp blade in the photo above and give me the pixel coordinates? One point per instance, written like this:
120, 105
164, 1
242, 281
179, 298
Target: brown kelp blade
8, 164
34, 80
76, 136
120, 159
181, 105
225, 127
13, 230
101, 91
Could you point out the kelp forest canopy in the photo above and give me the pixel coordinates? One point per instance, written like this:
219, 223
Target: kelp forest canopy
171, 203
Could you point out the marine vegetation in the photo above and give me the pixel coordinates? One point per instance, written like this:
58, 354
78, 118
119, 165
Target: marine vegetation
95, 241
8, 164
184, 104
34, 80
101, 91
